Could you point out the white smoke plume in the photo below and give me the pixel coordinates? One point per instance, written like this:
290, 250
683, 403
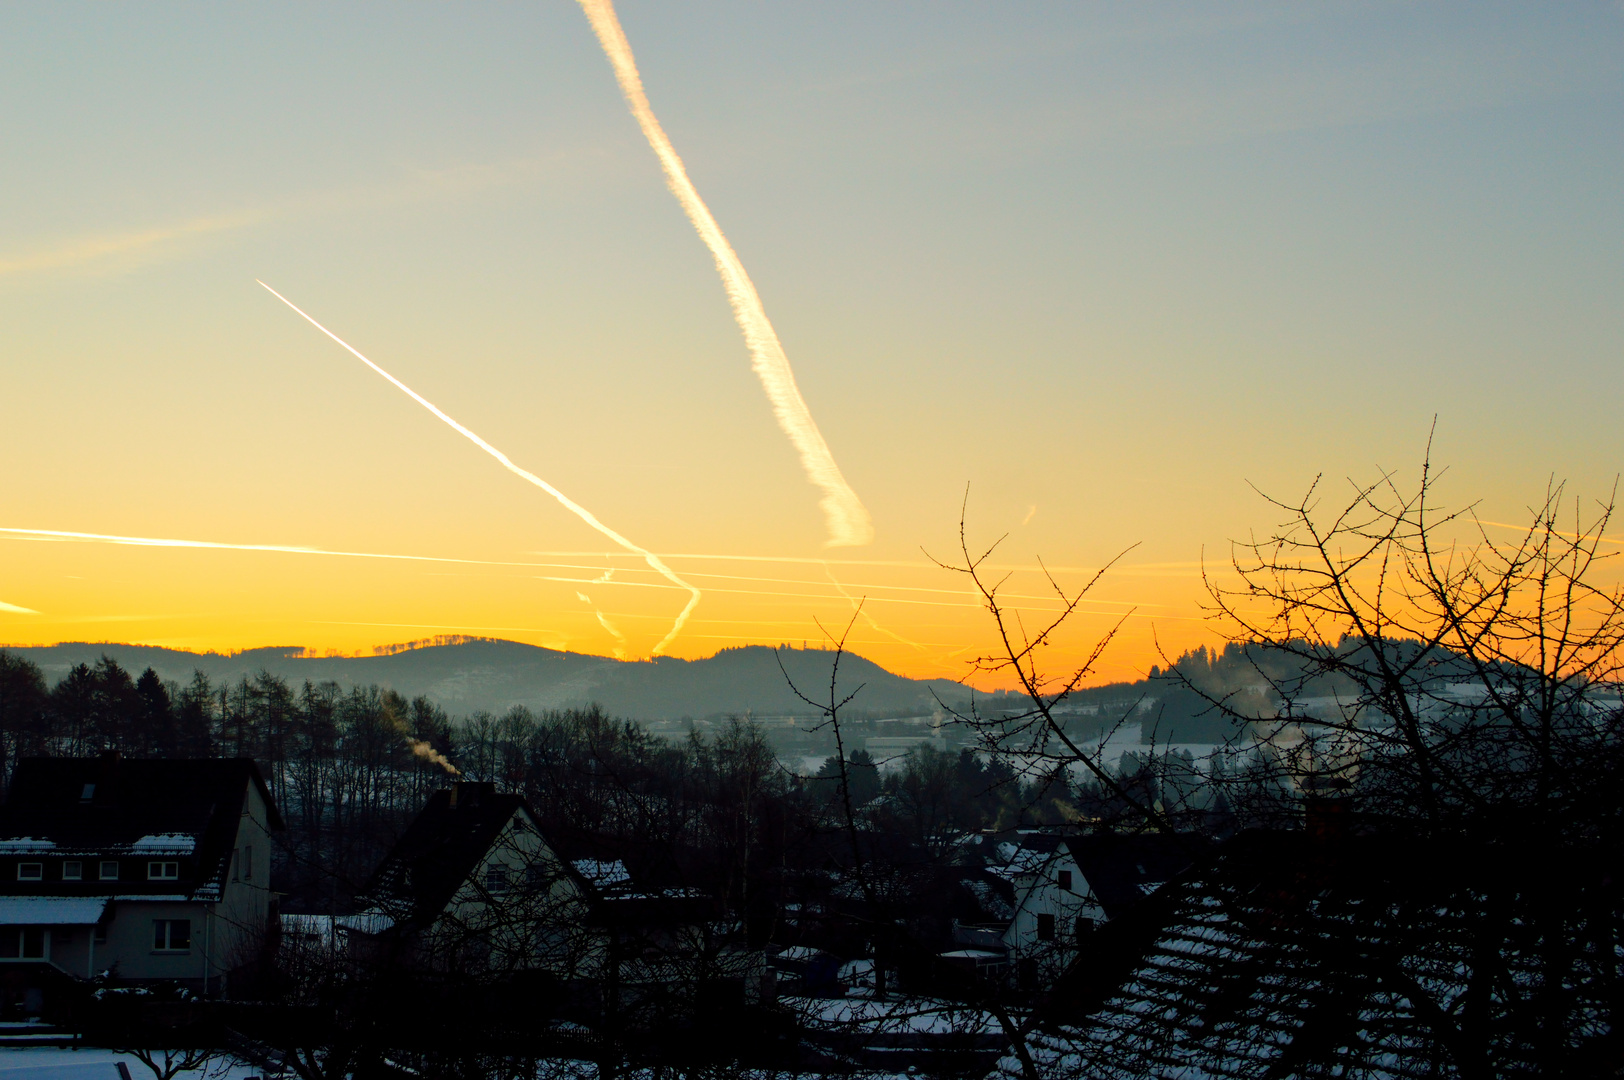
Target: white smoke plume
847, 519
653, 560
421, 748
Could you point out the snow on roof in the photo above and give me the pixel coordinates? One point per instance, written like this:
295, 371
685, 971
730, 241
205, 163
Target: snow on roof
51, 910
891, 1016
26, 843
172, 843
367, 922
604, 873
796, 953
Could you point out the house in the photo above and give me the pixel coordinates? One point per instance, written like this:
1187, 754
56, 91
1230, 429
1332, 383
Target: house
1066, 886
151, 870
1291, 953
473, 887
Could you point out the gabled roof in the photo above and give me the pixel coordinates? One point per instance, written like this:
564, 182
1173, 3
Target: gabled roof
1123, 869
440, 850
1282, 957
167, 806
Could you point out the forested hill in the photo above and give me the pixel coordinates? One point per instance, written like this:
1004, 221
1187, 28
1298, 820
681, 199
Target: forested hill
469, 675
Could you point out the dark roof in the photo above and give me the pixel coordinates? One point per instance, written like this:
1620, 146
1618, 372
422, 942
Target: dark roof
135, 805
439, 851
1123, 869
1376, 957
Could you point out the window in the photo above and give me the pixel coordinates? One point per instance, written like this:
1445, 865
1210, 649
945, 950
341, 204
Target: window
108, 870
1065, 879
1045, 927
536, 877
1085, 927
23, 942
30, 871
88, 793
496, 879
73, 871
163, 871
171, 935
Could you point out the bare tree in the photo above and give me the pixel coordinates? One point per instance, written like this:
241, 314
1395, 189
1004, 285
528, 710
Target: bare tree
166, 1064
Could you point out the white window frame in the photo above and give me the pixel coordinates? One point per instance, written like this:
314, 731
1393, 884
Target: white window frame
20, 932
102, 871
498, 879
73, 870
163, 871
31, 871
163, 930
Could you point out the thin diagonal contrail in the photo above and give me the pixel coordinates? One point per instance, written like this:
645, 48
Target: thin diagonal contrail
847, 519
569, 504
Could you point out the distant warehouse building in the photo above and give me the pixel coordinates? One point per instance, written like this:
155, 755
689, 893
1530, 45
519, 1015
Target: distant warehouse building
148, 870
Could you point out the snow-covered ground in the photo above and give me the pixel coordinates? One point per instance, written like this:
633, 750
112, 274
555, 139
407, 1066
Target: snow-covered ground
90, 1063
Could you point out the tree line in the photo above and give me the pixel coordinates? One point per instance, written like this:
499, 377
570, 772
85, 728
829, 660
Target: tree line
348, 768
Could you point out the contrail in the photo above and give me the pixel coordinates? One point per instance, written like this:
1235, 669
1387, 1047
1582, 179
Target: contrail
13, 609
603, 621
848, 521
858, 608
569, 504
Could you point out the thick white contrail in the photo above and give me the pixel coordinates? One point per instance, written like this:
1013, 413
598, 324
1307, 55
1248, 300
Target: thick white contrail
653, 560
848, 520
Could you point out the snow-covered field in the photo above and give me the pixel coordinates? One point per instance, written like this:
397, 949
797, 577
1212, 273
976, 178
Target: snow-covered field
90, 1063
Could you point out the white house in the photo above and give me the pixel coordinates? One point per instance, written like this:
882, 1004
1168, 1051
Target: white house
148, 870
1067, 886
473, 886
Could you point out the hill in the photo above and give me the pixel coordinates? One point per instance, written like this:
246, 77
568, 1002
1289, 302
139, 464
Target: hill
467, 675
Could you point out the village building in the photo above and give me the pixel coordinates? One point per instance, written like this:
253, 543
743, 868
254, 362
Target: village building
142, 870
1307, 953
1067, 886
472, 887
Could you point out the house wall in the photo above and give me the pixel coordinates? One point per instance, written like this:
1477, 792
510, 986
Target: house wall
538, 922
225, 934
238, 921
1040, 894
128, 950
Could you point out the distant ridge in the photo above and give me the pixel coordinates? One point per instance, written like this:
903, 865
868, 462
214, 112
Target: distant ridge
465, 675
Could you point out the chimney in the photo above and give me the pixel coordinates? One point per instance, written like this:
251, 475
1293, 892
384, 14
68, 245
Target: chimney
1327, 809
470, 792
104, 789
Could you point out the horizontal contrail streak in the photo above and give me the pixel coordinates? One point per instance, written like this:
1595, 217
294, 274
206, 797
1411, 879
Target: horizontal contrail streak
1558, 532
287, 549
569, 504
14, 609
864, 587
284, 549
1130, 609
848, 521
1120, 567
295, 549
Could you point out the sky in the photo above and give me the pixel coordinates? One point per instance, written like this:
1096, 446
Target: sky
1096, 274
